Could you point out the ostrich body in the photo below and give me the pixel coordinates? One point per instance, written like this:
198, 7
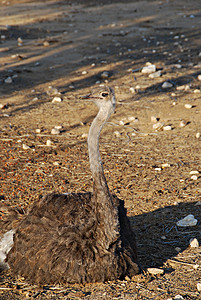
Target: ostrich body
77, 237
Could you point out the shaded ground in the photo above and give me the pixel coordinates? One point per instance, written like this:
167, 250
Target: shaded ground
67, 45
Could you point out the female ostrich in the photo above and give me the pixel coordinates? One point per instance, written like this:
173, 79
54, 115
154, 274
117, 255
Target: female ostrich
77, 237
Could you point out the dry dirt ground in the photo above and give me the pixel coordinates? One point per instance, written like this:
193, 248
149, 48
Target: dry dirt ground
67, 45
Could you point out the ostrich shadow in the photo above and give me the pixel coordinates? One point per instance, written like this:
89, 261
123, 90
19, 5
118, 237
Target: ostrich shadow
158, 235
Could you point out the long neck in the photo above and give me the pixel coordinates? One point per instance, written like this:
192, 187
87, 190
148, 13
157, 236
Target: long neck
96, 166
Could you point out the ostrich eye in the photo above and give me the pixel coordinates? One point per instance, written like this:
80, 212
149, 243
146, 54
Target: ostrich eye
104, 94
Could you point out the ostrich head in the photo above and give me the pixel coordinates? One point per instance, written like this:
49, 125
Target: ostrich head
104, 98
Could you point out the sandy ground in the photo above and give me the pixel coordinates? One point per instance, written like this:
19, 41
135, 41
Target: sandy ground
61, 48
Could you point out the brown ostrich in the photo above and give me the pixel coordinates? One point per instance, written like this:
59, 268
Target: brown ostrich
76, 237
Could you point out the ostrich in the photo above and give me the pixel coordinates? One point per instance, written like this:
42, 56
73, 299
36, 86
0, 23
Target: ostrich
76, 237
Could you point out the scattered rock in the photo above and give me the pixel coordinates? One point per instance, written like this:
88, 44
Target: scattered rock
183, 123
167, 85
194, 177
38, 130
132, 90
165, 165
178, 249
49, 143
194, 172
85, 135
188, 106
194, 243
149, 69
46, 44
199, 287
51, 91
104, 75
155, 271
117, 134
8, 80
167, 128
187, 221
158, 126
178, 297
196, 91
197, 135
199, 77
155, 74
84, 72
55, 131
57, 99
25, 147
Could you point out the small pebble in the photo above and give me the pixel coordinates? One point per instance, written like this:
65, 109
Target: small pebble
178, 249
199, 77
158, 169
188, 106
187, 221
194, 177
157, 126
178, 297
8, 80
25, 147
167, 85
104, 75
155, 271
84, 72
58, 127
132, 90
165, 165
167, 128
194, 243
56, 163
51, 91
46, 44
155, 74
199, 287
117, 133
38, 130
49, 143
56, 100
55, 131
149, 69
196, 91
182, 123
197, 135
121, 122
85, 135
154, 119
194, 172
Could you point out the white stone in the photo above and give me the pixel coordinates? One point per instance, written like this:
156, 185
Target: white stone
49, 143
56, 99
188, 106
155, 74
149, 69
132, 90
121, 122
167, 85
117, 133
178, 297
8, 80
155, 271
199, 287
197, 135
58, 126
38, 130
194, 177
187, 221
199, 77
194, 243
84, 72
158, 169
104, 75
157, 126
196, 91
154, 119
165, 165
194, 172
85, 135
55, 131
25, 147
167, 127
182, 123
